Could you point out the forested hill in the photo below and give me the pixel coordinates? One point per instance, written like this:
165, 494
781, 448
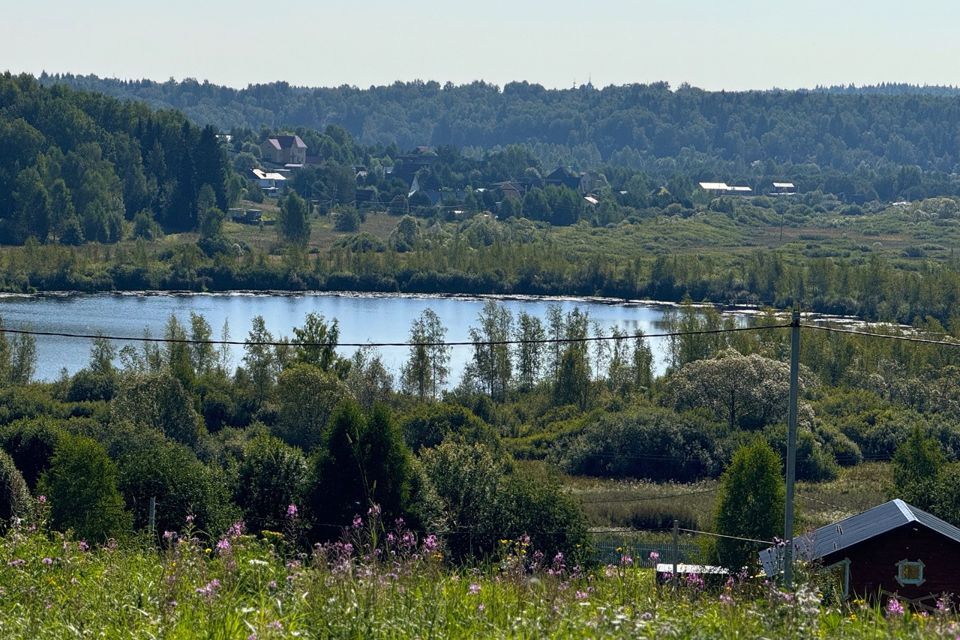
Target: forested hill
634, 125
74, 165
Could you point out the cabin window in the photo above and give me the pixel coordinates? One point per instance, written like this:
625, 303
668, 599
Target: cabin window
838, 583
910, 572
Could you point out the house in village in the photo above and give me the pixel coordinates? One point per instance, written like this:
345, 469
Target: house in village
284, 150
562, 176
270, 182
724, 189
893, 549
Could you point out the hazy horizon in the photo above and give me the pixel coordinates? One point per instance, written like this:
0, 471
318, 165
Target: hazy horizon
741, 45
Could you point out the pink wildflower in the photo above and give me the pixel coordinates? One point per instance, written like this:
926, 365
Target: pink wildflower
474, 589
189, 519
83, 546
430, 543
223, 546
894, 607
42, 499
357, 522
654, 557
291, 511
47, 561
236, 529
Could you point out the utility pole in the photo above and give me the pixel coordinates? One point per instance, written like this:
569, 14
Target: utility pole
791, 448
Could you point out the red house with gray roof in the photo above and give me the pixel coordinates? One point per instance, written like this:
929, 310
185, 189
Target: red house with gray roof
891, 550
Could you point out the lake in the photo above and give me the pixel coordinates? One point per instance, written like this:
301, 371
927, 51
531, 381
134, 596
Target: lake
363, 318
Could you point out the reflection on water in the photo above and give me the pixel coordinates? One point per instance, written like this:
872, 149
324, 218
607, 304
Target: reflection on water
363, 318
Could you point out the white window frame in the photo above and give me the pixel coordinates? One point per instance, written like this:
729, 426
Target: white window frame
902, 581
845, 563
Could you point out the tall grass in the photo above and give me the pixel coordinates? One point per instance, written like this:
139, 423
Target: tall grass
381, 580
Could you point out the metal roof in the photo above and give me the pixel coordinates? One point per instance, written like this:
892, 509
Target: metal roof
714, 186
783, 185
856, 529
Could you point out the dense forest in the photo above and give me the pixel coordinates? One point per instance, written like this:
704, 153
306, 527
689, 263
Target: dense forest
74, 166
641, 126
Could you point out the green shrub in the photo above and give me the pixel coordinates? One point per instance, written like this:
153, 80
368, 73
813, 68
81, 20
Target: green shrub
182, 485
305, 399
431, 424
14, 495
749, 504
81, 485
646, 443
271, 477
31, 444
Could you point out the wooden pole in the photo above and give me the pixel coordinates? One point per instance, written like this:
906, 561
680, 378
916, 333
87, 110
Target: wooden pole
676, 550
791, 448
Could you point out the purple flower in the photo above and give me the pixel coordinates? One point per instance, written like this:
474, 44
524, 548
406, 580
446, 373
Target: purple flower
357, 522
189, 519
654, 557
894, 607
272, 585
430, 544
480, 608
726, 598
16, 563
474, 589
236, 529
374, 511
223, 546
169, 535
626, 560
581, 595
47, 561
42, 499
83, 546
292, 511
209, 589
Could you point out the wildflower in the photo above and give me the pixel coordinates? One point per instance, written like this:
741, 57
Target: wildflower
357, 522
209, 589
275, 625
83, 546
626, 560
480, 608
47, 561
474, 589
236, 529
430, 543
374, 511
291, 511
695, 581
42, 499
726, 598
272, 585
189, 519
894, 607
223, 546
17, 563
169, 535
654, 557
581, 595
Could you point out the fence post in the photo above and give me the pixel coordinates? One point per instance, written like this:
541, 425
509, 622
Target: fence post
676, 550
153, 516
791, 448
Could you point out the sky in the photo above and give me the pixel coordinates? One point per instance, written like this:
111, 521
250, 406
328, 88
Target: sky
717, 44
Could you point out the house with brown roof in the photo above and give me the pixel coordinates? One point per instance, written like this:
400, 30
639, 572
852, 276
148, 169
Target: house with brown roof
284, 150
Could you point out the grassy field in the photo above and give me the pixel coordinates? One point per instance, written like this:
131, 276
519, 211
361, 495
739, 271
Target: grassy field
390, 584
648, 505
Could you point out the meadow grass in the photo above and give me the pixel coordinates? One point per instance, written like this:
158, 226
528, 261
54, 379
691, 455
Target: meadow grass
384, 581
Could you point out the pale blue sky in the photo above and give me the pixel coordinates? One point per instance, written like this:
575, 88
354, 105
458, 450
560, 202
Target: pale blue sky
733, 44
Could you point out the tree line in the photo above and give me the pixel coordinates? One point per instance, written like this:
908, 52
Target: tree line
79, 166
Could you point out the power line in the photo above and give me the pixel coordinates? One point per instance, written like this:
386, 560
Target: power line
886, 336
720, 535
462, 343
